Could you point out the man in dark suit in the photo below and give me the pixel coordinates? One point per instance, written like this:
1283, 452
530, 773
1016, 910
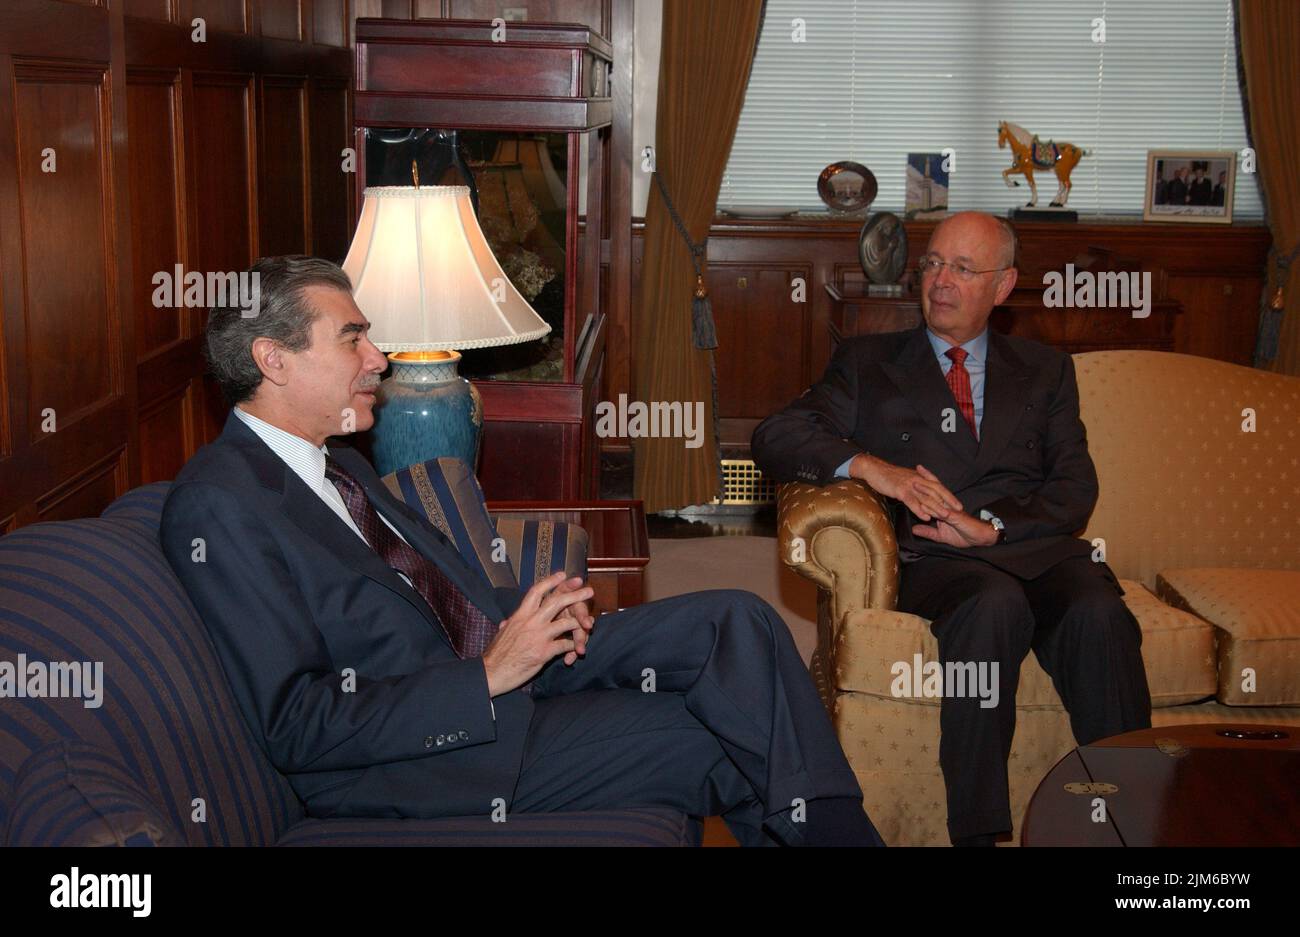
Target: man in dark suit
1217, 196
1177, 191
976, 439
1200, 191
386, 677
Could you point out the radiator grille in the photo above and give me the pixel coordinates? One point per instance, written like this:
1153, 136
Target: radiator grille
743, 483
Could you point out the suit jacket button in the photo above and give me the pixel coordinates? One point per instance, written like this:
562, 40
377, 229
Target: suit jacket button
1030, 444
464, 736
442, 739
428, 742
906, 437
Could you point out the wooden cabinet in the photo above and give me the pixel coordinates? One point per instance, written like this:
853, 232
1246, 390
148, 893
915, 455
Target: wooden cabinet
530, 106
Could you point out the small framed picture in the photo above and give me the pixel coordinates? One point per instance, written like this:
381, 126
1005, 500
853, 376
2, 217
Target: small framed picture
1193, 186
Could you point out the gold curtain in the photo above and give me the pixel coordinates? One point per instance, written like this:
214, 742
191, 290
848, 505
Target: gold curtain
1270, 48
707, 50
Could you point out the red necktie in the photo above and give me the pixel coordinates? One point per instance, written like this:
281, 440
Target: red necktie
959, 384
468, 629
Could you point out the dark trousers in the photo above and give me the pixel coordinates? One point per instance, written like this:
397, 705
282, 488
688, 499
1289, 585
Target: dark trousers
1084, 636
733, 726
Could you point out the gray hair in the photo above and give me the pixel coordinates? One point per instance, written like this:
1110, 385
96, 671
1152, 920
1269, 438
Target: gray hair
280, 314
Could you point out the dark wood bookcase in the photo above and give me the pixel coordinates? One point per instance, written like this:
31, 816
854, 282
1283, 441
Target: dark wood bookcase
528, 84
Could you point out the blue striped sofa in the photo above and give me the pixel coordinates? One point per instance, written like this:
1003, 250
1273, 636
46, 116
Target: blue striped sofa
167, 759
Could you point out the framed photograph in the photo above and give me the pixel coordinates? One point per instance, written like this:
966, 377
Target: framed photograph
1193, 186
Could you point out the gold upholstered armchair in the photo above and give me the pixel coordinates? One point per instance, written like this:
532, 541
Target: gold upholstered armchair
1200, 522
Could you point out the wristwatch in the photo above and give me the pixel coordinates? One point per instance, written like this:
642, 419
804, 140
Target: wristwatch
996, 523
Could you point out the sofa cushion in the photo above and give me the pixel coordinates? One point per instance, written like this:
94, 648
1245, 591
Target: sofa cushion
538, 548
1257, 612
634, 826
1177, 649
71, 793
446, 492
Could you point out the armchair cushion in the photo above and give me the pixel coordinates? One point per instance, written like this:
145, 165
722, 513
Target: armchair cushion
73, 793
1177, 649
1259, 624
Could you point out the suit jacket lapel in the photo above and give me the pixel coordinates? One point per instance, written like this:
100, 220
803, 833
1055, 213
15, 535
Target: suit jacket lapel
306, 509
427, 539
918, 376
1006, 385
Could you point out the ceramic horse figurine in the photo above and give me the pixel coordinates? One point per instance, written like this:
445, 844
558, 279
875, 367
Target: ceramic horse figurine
1029, 153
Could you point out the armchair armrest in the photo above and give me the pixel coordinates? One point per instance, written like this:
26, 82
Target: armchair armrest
841, 537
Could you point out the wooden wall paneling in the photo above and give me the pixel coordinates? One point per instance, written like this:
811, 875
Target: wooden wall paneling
765, 334
285, 196
62, 311
86, 493
330, 128
225, 194
167, 434
73, 322
224, 160
156, 190
281, 19
1224, 319
231, 16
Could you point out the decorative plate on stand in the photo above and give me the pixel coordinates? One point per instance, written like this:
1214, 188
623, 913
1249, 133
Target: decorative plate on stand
847, 187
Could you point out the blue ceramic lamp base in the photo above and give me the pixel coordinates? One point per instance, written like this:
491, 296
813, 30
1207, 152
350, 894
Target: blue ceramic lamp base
425, 410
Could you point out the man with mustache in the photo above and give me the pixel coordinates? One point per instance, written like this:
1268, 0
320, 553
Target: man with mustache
976, 439
386, 677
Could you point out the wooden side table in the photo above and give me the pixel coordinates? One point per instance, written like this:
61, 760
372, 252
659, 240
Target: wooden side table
1195, 785
618, 548
853, 312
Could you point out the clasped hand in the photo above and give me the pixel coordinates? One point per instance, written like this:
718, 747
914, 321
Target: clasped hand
552, 619
927, 498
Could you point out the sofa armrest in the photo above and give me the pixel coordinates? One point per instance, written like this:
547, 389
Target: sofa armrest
74, 793
841, 537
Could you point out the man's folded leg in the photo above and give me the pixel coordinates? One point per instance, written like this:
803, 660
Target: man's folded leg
607, 749
732, 660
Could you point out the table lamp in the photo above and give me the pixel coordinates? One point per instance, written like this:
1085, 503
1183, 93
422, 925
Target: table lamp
424, 276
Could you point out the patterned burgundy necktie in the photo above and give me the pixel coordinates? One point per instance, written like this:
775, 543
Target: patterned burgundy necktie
959, 384
468, 629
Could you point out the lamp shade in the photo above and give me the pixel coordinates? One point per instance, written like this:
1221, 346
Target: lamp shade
424, 276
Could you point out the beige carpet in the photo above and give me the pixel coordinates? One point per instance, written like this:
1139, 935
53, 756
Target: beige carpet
750, 563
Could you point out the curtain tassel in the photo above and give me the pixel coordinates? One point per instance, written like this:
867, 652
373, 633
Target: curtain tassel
703, 331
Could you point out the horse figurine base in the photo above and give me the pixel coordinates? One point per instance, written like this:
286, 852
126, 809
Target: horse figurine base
1042, 214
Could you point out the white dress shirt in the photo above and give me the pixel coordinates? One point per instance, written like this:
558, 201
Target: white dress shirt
308, 463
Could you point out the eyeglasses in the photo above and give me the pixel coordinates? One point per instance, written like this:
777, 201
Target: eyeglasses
930, 266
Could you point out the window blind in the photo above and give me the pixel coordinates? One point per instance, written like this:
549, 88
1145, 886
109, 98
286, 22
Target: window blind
875, 80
